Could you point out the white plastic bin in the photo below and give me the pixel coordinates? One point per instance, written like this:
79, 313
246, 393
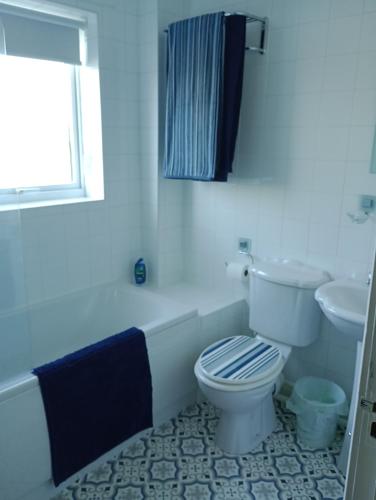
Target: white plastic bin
317, 403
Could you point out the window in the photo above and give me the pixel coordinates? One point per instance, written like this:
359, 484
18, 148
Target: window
41, 110
38, 125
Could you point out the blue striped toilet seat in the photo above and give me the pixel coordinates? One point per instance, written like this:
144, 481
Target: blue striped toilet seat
241, 360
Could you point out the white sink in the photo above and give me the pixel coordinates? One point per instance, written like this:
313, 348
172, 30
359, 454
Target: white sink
344, 303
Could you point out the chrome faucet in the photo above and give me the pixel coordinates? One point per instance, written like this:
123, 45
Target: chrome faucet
369, 279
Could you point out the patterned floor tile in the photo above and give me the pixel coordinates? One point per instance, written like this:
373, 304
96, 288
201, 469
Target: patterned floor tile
179, 461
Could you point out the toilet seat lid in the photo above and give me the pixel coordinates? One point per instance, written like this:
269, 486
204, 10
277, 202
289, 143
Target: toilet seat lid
241, 360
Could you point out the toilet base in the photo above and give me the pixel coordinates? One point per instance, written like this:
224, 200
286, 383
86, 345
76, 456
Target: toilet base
240, 433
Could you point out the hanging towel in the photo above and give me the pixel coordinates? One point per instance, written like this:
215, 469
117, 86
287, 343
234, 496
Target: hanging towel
204, 85
195, 65
235, 40
95, 399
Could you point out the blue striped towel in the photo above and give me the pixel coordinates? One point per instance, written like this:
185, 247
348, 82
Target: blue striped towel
195, 66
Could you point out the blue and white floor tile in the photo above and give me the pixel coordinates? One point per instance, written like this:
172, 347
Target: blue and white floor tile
179, 460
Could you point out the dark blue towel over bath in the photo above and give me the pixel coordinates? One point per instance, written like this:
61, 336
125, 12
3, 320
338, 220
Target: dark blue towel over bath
95, 399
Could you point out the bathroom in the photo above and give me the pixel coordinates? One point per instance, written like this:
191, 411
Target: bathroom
303, 162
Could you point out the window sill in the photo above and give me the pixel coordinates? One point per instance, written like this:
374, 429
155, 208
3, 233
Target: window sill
47, 203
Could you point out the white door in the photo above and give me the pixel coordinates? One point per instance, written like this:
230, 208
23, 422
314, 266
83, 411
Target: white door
361, 472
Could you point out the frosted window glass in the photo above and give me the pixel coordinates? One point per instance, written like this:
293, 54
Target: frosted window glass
37, 130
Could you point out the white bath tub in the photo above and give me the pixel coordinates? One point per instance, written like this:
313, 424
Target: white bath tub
65, 325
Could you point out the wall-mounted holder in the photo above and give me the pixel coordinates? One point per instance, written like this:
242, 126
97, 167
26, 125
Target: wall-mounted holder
264, 23
366, 211
251, 18
244, 248
235, 270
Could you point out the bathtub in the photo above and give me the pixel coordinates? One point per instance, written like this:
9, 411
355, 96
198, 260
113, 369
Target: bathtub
58, 327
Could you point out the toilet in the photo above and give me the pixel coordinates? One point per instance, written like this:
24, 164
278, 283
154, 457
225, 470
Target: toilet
238, 374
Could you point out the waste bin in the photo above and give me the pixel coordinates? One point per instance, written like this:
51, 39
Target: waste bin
317, 403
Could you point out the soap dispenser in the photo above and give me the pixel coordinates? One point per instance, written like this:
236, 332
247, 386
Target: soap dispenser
140, 272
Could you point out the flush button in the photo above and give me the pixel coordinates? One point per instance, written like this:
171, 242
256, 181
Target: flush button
245, 246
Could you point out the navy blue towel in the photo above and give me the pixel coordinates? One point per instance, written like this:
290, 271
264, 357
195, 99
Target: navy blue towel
95, 399
235, 40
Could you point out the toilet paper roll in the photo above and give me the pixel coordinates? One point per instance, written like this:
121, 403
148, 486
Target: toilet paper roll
237, 271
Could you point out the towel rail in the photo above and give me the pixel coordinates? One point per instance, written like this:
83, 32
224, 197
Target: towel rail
250, 18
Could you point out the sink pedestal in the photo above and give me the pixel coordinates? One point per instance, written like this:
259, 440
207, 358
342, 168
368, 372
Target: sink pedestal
344, 455
344, 303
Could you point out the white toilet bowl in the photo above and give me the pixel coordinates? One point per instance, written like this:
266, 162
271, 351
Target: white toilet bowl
238, 375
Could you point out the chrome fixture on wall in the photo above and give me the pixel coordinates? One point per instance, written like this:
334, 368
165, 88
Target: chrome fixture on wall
366, 211
250, 18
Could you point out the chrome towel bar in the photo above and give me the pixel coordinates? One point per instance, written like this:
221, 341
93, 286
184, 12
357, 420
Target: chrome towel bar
261, 49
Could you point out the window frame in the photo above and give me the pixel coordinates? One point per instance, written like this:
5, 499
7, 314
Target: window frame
74, 189
89, 120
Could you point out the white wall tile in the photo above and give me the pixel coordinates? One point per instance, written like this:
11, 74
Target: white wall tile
323, 239
358, 179
269, 236
305, 109
78, 265
366, 74
298, 205
283, 44
369, 5
15, 356
300, 174
333, 143
326, 208
354, 242
309, 75
344, 8
281, 78
285, 13
55, 279
361, 141
336, 109
328, 177
368, 35
364, 108
76, 226
344, 35
277, 111
340, 72
312, 40
314, 11
294, 238
303, 143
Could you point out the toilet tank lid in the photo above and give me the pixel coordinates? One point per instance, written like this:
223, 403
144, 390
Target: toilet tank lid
290, 272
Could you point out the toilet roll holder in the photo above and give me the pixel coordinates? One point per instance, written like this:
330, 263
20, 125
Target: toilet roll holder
250, 257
